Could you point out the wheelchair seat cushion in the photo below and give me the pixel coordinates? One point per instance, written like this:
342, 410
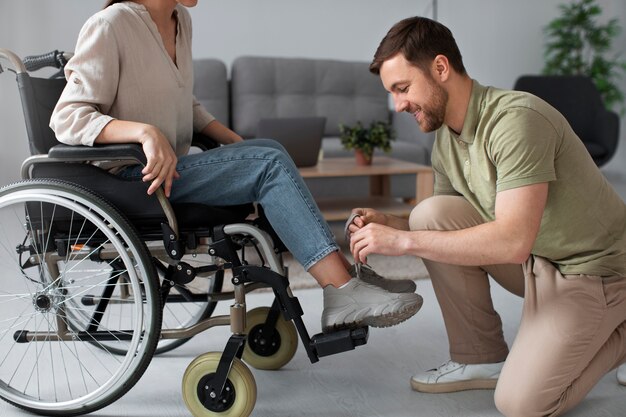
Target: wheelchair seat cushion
192, 216
130, 197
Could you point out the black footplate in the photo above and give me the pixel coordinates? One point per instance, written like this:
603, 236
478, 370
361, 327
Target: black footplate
325, 344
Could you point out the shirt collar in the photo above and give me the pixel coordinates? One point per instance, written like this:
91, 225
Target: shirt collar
142, 8
472, 116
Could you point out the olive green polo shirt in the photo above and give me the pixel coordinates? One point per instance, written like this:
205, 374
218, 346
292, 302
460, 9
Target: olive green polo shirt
512, 139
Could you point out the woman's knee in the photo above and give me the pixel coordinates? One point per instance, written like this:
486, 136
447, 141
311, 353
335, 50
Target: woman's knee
269, 143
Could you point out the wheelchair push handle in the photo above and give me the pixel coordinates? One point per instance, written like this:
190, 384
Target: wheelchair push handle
55, 59
16, 63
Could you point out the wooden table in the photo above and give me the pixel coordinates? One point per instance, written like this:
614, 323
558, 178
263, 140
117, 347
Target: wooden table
380, 173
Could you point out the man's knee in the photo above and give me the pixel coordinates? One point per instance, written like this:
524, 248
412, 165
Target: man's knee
508, 403
444, 213
514, 399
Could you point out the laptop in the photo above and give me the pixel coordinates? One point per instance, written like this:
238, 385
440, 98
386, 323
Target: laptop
301, 136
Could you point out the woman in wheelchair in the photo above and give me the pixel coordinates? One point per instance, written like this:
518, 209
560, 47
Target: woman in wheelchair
131, 80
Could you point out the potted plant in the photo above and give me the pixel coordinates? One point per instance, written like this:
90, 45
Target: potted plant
365, 139
578, 45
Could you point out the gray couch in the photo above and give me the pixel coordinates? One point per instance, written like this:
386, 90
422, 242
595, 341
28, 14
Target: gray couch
343, 92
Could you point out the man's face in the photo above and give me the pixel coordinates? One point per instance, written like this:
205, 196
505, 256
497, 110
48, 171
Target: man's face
415, 92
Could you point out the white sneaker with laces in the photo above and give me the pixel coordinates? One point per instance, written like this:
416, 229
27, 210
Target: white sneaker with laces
453, 377
361, 304
621, 374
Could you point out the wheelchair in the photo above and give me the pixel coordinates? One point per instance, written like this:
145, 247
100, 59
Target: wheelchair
98, 277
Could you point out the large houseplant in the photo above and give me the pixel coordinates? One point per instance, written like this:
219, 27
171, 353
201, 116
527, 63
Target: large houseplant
365, 139
579, 45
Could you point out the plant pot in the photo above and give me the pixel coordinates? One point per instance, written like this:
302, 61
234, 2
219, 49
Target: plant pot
362, 158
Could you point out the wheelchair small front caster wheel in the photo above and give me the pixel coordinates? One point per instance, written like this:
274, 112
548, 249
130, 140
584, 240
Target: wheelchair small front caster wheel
269, 351
239, 394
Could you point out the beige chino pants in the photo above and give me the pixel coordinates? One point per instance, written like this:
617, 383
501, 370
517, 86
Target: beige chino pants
572, 331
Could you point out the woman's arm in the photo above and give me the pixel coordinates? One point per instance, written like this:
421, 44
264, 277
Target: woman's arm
220, 133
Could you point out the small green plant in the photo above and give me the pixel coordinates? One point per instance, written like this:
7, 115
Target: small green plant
378, 135
579, 45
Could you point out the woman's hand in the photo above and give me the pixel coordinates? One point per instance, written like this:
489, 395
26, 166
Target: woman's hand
161, 160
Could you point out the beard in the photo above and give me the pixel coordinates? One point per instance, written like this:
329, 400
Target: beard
432, 114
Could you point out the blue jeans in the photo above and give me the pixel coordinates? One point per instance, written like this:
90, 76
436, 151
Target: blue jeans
260, 171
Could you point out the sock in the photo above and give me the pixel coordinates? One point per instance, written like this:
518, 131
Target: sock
344, 285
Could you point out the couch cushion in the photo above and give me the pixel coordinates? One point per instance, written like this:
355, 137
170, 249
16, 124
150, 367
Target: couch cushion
211, 87
343, 92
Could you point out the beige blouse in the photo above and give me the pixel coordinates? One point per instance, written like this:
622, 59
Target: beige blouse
121, 70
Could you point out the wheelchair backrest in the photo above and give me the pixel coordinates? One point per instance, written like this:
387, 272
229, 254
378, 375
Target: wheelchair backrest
39, 96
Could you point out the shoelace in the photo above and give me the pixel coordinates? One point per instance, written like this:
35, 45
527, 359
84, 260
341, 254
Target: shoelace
446, 366
357, 264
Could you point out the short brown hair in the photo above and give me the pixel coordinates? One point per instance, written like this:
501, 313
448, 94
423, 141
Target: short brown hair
420, 40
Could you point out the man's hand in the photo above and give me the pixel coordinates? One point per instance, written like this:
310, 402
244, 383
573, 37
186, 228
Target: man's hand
377, 238
366, 216
161, 165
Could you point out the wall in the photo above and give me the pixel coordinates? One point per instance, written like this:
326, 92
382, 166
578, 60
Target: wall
499, 39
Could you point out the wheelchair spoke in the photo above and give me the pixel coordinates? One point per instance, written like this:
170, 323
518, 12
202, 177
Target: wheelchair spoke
76, 283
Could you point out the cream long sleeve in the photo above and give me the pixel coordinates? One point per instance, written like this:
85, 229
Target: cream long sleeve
121, 70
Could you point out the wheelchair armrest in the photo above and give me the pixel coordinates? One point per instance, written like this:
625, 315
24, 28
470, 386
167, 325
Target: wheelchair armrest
77, 153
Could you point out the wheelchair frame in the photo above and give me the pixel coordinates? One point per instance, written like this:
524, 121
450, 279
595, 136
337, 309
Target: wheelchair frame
212, 379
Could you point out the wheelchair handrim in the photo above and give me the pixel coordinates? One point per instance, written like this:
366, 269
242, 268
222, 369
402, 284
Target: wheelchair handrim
81, 206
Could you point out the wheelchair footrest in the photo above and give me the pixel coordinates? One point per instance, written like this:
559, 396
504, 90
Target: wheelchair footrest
325, 344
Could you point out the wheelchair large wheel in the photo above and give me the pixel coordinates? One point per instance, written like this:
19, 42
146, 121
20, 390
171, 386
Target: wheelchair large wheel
59, 243
239, 393
186, 305
189, 304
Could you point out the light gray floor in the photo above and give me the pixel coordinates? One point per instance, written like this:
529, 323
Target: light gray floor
371, 381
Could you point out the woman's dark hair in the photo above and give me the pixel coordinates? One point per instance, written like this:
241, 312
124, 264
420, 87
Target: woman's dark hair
420, 40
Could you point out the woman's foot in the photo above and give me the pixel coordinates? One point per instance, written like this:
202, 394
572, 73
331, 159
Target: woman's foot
392, 285
358, 303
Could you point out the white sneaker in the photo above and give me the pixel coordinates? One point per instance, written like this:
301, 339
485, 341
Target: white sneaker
621, 374
361, 304
453, 376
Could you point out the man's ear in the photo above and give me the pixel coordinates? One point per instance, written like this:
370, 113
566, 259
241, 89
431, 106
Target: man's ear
441, 68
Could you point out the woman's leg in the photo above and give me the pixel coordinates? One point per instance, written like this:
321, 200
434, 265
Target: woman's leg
260, 171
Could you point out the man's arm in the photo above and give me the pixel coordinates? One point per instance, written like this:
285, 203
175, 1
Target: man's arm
506, 240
